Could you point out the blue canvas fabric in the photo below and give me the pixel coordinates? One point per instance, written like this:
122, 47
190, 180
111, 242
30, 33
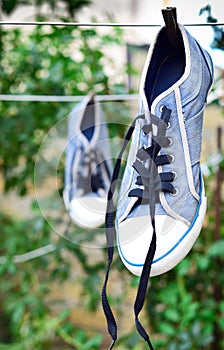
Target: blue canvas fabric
193, 86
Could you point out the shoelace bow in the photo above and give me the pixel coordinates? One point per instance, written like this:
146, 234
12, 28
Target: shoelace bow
152, 183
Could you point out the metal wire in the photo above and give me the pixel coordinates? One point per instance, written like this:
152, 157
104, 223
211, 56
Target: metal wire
58, 98
33, 254
100, 24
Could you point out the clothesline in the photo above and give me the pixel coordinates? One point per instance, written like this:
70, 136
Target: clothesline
33, 254
59, 98
101, 24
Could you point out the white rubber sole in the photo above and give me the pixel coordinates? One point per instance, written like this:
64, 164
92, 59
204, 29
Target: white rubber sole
174, 240
88, 212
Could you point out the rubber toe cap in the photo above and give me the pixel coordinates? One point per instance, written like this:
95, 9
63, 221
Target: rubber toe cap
174, 240
88, 212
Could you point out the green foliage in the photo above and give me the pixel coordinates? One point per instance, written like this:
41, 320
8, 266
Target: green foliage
48, 61
72, 6
45, 61
27, 318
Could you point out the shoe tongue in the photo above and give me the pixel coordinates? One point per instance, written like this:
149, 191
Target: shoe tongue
88, 122
139, 210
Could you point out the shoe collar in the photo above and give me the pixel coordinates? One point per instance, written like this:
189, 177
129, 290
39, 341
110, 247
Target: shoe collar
178, 82
77, 115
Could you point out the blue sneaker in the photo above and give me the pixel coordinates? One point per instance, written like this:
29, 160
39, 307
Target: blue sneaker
88, 164
162, 179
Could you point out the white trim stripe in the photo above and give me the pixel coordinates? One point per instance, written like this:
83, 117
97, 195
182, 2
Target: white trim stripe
185, 145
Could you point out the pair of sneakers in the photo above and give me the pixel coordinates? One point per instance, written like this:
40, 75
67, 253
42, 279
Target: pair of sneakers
161, 203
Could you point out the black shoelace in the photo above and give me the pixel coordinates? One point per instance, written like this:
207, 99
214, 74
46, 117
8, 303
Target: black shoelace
90, 178
152, 183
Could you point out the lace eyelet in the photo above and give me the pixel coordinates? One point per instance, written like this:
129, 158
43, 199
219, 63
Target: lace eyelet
175, 192
168, 126
161, 108
172, 158
170, 142
174, 175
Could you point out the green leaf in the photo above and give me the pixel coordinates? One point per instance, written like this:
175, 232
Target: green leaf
167, 329
18, 313
184, 266
203, 262
17, 346
216, 249
172, 315
8, 6
88, 33
92, 343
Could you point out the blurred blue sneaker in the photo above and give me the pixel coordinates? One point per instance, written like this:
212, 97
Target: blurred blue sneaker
162, 201
88, 164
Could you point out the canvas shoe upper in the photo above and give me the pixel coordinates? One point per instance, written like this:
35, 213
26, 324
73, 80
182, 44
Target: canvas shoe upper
165, 154
88, 164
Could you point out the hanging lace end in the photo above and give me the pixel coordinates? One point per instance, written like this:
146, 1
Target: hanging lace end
143, 333
112, 344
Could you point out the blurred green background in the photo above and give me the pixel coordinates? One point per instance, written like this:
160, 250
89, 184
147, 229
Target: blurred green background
50, 298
